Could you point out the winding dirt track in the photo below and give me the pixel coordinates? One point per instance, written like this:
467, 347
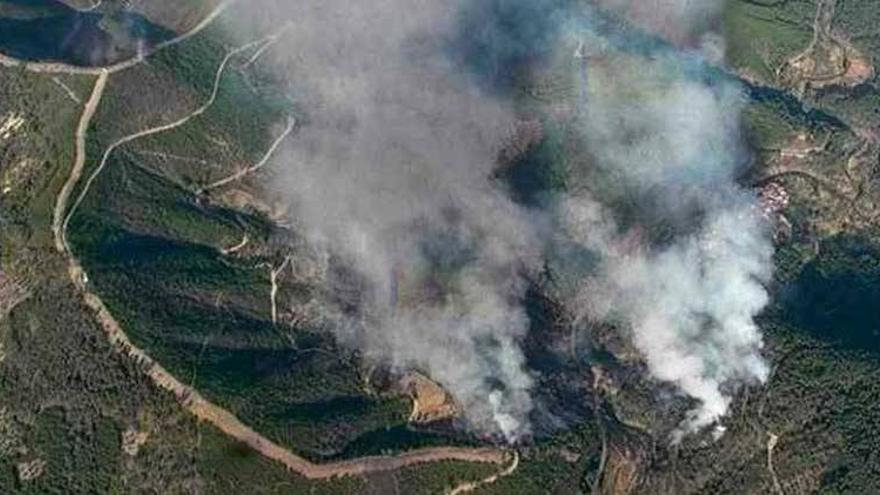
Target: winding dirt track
772, 440
189, 397
58, 221
226, 422
291, 123
473, 485
131, 137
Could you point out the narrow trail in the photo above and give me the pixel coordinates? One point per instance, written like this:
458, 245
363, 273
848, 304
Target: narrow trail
291, 124
772, 440
273, 294
172, 156
473, 485
95, 5
268, 44
69, 92
188, 397
148, 132
237, 247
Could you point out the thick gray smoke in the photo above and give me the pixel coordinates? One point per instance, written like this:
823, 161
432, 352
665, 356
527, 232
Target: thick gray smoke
408, 104
391, 173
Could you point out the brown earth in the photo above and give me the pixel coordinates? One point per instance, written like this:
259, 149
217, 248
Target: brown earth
430, 401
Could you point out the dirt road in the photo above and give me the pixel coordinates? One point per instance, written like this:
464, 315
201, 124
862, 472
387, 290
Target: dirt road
473, 485
291, 123
229, 424
131, 137
189, 397
79, 161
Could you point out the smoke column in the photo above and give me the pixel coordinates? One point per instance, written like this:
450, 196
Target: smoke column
407, 105
663, 134
391, 174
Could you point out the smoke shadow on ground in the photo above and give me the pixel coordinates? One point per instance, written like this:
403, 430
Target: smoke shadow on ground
834, 297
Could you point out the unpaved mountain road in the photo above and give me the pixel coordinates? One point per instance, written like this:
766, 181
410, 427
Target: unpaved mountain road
291, 123
189, 398
79, 161
131, 137
473, 485
229, 424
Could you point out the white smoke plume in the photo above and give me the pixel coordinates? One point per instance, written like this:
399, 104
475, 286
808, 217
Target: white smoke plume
407, 104
392, 173
690, 305
663, 129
